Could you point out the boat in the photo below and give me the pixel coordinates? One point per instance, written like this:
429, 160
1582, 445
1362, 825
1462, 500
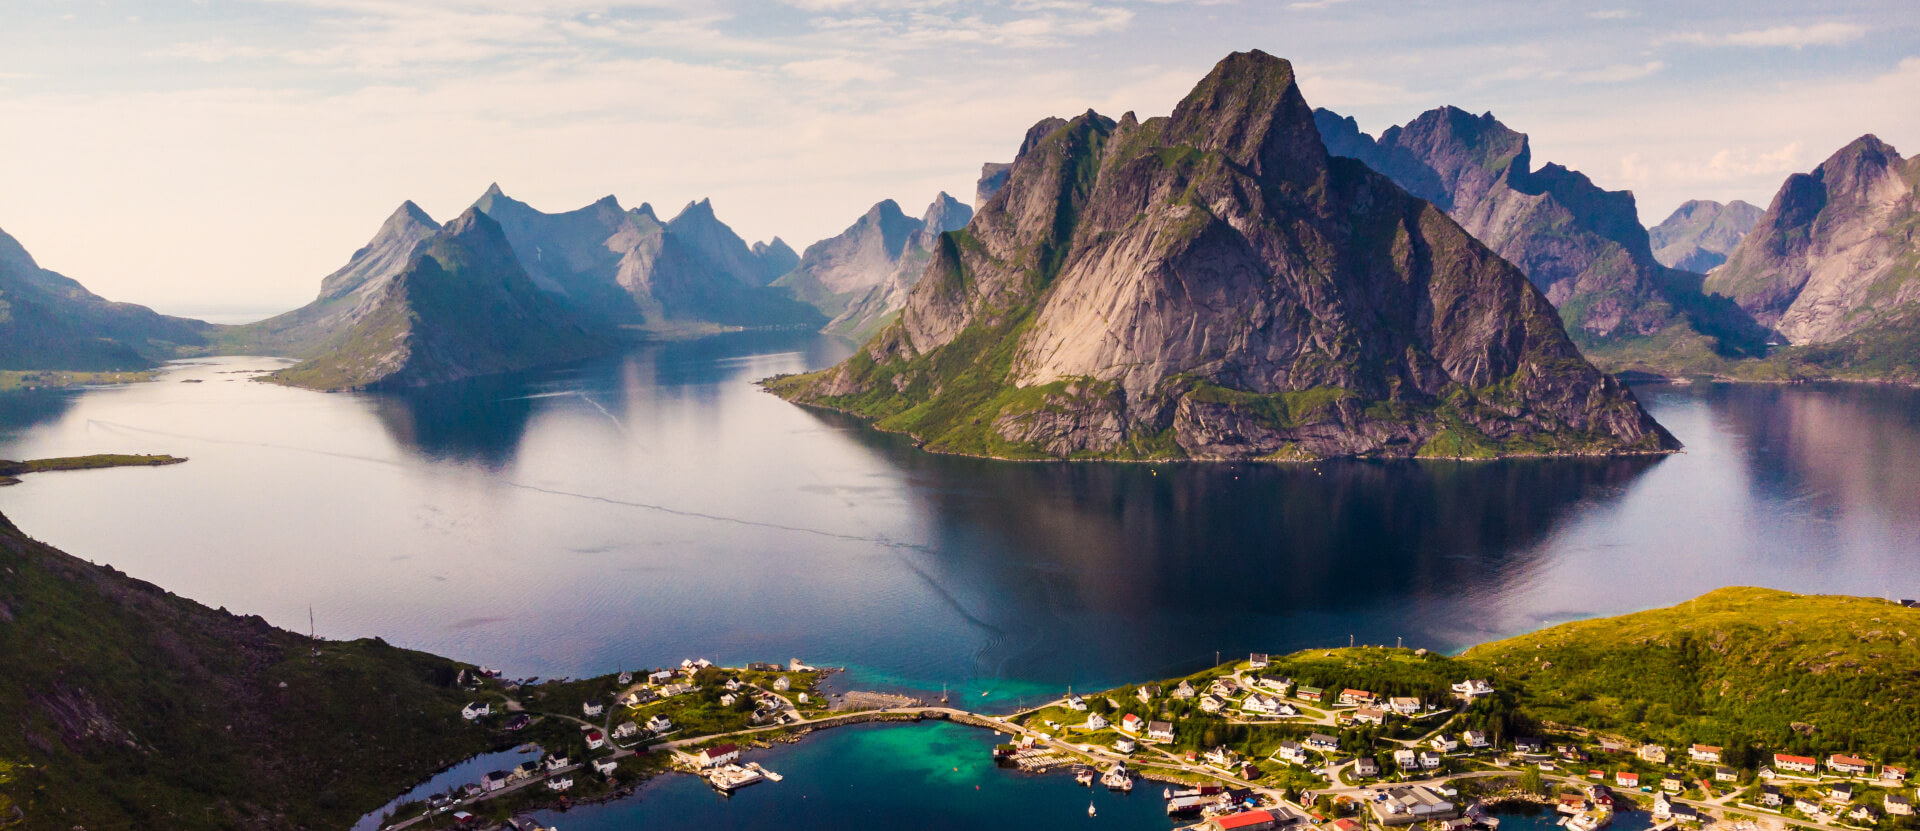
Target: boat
1090, 809
771, 776
730, 778
1083, 774
1590, 821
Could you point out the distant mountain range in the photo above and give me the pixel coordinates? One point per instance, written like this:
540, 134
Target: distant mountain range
49, 321
1700, 234
1215, 285
861, 277
1582, 245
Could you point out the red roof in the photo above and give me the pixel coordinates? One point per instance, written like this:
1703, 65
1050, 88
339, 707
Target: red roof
1855, 761
1353, 692
720, 750
593, 735
1244, 820
1345, 824
1629, 777
1798, 760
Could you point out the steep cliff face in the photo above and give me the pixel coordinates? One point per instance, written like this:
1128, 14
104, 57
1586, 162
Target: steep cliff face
49, 321
461, 307
1214, 285
861, 277
1836, 253
346, 295
1699, 234
1581, 245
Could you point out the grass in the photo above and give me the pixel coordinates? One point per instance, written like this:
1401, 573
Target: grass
11, 470
43, 379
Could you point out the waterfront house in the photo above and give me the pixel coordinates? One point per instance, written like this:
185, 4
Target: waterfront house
1370, 715
1797, 764
1842, 792
1704, 754
592, 708
1770, 796
1132, 723
1627, 779
1574, 801
1211, 703
1185, 690
1406, 759
661, 677
1243, 821
1277, 683
606, 766
527, 769
1409, 805
595, 740
796, 665
1160, 731
560, 783
475, 710
801, 698
1429, 760
1147, 694
495, 780
1313, 694
1366, 766
1897, 805
1725, 774
1849, 765
625, 729
625, 678
1653, 753
1528, 744
781, 684
1682, 812
1292, 752
1662, 806
733, 685
1096, 722
1323, 742
1445, 743
1476, 739
1353, 697
1257, 660
1221, 757
659, 724
556, 762
1473, 688
720, 754
1404, 705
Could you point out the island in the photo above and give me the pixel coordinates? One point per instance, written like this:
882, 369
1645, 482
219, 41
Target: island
10, 471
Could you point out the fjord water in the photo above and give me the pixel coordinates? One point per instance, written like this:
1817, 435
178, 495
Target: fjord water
653, 506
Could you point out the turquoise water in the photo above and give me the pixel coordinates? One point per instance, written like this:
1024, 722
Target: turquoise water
1514, 818
929, 777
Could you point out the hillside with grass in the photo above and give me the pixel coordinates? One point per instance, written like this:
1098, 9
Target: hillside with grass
1736, 667
126, 706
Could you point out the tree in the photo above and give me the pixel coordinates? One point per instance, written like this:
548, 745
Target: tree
1531, 782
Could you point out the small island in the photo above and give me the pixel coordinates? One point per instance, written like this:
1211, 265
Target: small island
11, 471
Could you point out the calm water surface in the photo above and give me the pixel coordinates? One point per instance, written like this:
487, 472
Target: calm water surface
656, 506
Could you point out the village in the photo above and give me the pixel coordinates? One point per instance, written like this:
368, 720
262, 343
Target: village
1242, 746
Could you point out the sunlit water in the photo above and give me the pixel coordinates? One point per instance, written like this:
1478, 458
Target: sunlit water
655, 506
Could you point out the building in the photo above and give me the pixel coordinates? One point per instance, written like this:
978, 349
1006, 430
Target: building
1849, 765
592, 708
476, 709
560, 783
556, 762
1310, 694
1366, 766
1725, 774
1528, 744
1893, 774
1257, 660
1842, 792
720, 754
1404, 705
1353, 697
1627, 779
1292, 752
606, 766
1445, 743
1704, 754
781, 684
1278, 684
1211, 703
1770, 796
1185, 690
1323, 742
1224, 687
1132, 724
1672, 784
1897, 805
662, 677
1429, 760
495, 780
1147, 694
1243, 821
596, 740
638, 697
1408, 805
1125, 745
762, 666
1612, 746
1797, 764
728, 699
1160, 731
1406, 759
1265, 705
1370, 715
1473, 688
1096, 722
626, 729
1807, 806
1476, 739
659, 724
1653, 753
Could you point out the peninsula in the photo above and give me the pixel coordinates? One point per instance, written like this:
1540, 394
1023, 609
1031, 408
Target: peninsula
10, 471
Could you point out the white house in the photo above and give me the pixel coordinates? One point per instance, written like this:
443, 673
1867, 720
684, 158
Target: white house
1224, 687
1429, 760
1132, 724
1323, 742
1263, 704
1653, 753
733, 685
1445, 743
782, 684
556, 762
802, 698
1211, 703
661, 677
1257, 660
592, 708
659, 724
1146, 694
1369, 715
1897, 805
1125, 745
475, 710
560, 783
1850, 765
1404, 706
1473, 688
1095, 722
1075, 702
1185, 690
1277, 683
728, 699
1292, 752
1704, 754
606, 767
717, 755
1476, 739
625, 729
1797, 764
496, 780
1160, 731
1406, 759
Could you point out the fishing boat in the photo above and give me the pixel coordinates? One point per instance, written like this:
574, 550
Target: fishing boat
1083, 774
1090, 809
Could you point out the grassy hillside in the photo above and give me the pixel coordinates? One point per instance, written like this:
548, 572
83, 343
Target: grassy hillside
126, 706
1735, 667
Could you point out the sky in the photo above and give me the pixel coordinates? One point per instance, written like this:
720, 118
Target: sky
218, 157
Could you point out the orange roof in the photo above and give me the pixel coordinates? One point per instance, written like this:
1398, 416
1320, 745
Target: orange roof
1244, 820
1801, 760
1855, 761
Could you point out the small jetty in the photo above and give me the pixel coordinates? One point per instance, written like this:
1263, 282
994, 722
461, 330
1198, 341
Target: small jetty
730, 778
1083, 774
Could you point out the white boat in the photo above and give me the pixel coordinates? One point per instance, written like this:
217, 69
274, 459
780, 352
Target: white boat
1090, 809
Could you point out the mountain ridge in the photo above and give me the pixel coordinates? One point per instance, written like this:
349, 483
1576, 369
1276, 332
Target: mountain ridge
49, 321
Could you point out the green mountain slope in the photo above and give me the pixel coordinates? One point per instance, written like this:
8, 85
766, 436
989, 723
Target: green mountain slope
126, 706
49, 321
1214, 285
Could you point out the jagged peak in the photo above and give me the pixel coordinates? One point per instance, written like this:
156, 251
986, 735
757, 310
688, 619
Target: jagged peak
1865, 151
493, 189
946, 214
608, 202
701, 209
473, 221
1250, 109
408, 214
646, 211
1038, 133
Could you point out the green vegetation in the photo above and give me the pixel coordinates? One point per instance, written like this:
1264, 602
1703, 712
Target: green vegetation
136, 708
10, 470
43, 379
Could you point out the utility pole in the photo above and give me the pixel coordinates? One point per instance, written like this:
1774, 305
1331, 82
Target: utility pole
313, 632
1349, 641
1399, 642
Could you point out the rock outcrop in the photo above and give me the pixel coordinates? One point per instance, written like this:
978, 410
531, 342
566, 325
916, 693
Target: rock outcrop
1215, 285
1837, 254
861, 277
50, 321
1580, 244
461, 307
1699, 234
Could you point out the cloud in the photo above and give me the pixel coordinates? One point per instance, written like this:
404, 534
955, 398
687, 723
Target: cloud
1314, 4
1797, 37
1611, 14
837, 70
1620, 72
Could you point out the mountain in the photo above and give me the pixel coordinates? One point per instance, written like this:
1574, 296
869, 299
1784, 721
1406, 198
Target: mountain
49, 321
1581, 245
461, 307
993, 177
862, 276
1700, 234
346, 295
131, 707
1836, 256
1214, 285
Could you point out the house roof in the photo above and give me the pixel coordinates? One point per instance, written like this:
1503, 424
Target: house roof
1842, 759
1705, 748
720, 750
1245, 819
1802, 760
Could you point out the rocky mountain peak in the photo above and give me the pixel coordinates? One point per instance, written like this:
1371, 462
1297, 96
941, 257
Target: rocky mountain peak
406, 220
1250, 109
946, 214
1858, 168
